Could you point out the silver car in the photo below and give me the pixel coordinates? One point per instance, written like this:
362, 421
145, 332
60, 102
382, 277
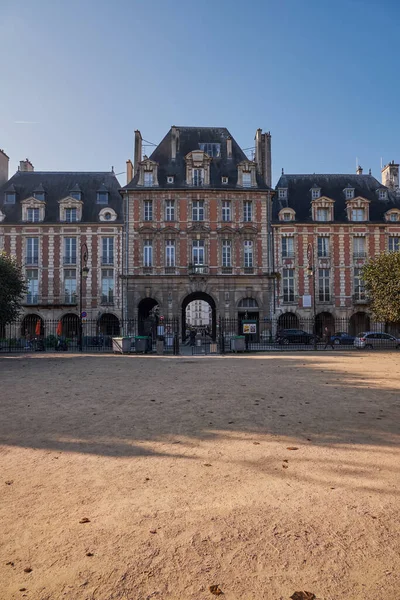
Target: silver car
371, 340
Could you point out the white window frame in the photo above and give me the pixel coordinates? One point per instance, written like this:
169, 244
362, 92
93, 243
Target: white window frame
226, 211
287, 247
70, 285
102, 197
246, 179
247, 211
198, 210
148, 253
107, 286
382, 194
70, 211
107, 250
32, 215
349, 193
324, 284
288, 285
394, 243
359, 286
322, 210
170, 253
147, 210
32, 250
197, 177
148, 178
315, 193
357, 212
359, 246
227, 253
32, 292
170, 210
198, 252
248, 254
70, 250
323, 247
282, 193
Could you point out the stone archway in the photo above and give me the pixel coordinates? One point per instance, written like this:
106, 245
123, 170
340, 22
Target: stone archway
322, 320
70, 326
210, 301
148, 309
359, 322
29, 325
108, 325
288, 320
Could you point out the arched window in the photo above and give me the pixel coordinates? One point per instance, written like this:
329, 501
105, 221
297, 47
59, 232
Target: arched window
248, 303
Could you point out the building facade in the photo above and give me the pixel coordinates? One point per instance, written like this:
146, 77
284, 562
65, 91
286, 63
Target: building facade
325, 228
55, 224
198, 314
196, 226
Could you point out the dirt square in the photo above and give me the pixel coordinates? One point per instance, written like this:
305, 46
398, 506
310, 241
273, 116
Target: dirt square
136, 478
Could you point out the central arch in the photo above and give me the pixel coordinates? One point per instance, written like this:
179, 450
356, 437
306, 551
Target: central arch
210, 301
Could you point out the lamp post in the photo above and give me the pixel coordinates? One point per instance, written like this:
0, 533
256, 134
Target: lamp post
311, 273
83, 274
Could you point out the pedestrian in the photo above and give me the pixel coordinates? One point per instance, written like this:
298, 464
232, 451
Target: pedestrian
192, 337
327, 339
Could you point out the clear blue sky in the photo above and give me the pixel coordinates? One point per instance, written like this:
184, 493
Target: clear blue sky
321, 75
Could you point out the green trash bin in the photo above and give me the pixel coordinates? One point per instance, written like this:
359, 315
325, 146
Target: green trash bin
141, 343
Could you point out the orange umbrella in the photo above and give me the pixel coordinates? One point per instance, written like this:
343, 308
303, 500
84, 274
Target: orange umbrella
59, 329
38, 327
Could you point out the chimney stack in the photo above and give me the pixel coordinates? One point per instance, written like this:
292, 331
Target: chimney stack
26, 166
390, 175
174, 141
229, 147
129, 171
138, 151
3, 167
258, 152
359, 170
263, 156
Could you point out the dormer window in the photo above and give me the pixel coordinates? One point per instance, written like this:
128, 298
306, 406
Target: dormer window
349, 193
197, 177
39, 195
76, 195
170, 179
148, 178
102, 197
9, 197
382, 194
212, 149
71, 215
315, 193
287, 214
393, 217
358, 214
282, 193
246, 179
33, 215
224, 180
322, 214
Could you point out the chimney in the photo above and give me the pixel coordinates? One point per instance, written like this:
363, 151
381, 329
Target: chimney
229, 147
26, 166
174, 141
359, 170
258, 153
3, 167
267, 159
390, 175
129, 171
138, 150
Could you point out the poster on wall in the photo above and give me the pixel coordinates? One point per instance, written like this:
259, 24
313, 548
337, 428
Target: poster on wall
306, 301
249, 328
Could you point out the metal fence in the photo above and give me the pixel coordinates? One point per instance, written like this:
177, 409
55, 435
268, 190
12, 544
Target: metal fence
163, 336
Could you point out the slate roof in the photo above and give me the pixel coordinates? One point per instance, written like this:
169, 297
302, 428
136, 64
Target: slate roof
332, 186
189, 140
58, 185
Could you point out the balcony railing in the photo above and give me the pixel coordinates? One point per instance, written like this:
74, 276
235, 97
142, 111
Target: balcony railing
31, 260
107, 259
359, 254
248, 270
147, 270
170, 270
226, 270
198, 269
69, 260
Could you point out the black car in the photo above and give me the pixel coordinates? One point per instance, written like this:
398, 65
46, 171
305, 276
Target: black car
295, 336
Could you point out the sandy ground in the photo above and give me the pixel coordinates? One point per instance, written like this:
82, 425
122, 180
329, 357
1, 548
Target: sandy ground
265, 475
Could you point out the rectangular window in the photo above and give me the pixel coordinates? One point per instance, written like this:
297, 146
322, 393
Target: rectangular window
170, 253
70, 286
359, 247
148, 178
248, 254
32, 251
33, 215
32, 282
288, 285
107, 286
287, 247
247, 211
198, 252
70, 251
287, 216
226, 211
75, 195
359, 288
197, 177
315, 194
148, 210
322, 214
349, 194
358, 214
148, 253
170, 210
107, 251
226, 253
9, 198
212, 149
71, 215
282, 193
323, 247
198, 210
246, 179
394, 244
382, 194
39, 196
323, 285
102, 197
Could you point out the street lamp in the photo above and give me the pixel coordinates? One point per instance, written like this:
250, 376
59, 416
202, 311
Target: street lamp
83, 274
311, 273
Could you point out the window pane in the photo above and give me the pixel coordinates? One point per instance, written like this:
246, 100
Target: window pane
198, 252
170, 210
288, 285
248, 254
323, 285
247, 211
226, 253
148, 210
246, 179
148, 254
170, 253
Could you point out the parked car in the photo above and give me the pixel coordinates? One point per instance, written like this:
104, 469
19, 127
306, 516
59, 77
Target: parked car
342, 338
371, 340
295, 336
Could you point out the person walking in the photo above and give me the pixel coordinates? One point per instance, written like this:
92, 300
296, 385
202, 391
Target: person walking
327, 339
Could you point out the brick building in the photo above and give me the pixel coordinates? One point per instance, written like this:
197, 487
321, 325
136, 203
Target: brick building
340, 221
45, 217
196, 215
